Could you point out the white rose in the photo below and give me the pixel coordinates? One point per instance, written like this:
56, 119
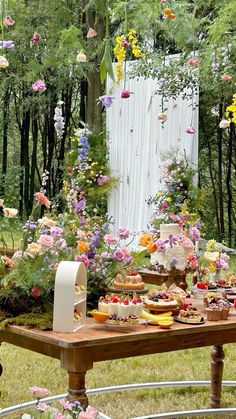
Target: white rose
10, 212
47, 222
33, 248
224, 124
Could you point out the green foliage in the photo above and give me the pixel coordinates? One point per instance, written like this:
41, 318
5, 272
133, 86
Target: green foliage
10, 184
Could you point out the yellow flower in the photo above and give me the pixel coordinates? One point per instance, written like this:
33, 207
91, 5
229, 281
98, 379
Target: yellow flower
83, 246
211, 244
168, 199
145, 240
212, 267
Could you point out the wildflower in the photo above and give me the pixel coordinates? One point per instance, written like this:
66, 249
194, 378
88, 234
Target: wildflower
101, 180
190, 130
36, 38
81, 57
35, 292
10, 212
7, 261
226, 77
91, 33
39, 392
42, 407
39, 86
193, 62
42, 199
8, 21
7, 44
106, 100
3, 62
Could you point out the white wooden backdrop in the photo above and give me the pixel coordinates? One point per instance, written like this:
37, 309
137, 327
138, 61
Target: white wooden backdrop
137, 142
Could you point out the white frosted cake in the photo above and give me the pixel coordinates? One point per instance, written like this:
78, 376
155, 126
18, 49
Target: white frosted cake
174, 253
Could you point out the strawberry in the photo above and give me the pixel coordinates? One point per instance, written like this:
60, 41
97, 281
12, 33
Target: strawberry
235, 302
139, 300
115, 300
126, 302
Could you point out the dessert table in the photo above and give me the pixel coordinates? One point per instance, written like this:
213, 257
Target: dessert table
78, 351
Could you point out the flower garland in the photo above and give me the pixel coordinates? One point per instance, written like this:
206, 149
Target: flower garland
123, 43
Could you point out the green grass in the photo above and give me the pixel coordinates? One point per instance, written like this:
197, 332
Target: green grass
23, 369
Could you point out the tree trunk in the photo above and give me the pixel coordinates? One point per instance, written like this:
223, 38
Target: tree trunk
228, 184
34, 155
94, 110
220, 176
5, 121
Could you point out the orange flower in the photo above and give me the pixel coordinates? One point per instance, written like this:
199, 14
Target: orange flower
152, 247
171, 16
167, 11
82, 246
42, 199
145, 239
7, 261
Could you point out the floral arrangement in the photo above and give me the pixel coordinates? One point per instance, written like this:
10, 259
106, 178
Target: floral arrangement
178, 199
231, 111
67, 410
125, 43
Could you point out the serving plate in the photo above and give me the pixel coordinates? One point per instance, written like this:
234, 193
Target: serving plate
193, 323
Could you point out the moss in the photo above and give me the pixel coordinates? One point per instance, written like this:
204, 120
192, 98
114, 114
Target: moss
35, 319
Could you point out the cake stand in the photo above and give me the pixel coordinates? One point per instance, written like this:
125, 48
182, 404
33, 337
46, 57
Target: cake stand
127, 291
168, 278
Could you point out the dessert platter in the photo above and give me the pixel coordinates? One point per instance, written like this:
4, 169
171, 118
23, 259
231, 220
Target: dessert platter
161, 301
190, 315
128, 282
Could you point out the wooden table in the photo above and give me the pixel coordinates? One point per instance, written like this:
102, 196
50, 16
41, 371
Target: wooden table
77, 352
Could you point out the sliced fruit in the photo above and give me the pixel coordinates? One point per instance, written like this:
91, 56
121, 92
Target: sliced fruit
100, 316
165, 324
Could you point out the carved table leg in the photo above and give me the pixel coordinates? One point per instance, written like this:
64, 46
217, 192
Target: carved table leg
217, 356
0, 366
77, 390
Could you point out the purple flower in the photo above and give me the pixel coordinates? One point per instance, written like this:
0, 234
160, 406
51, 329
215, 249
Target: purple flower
66, 404
221, 264
78, 205
161, 245
118, 254
56, 231
172, 240
102, 179
106, 100
195, 233
128, 259
7, 44
39, 86
123, 233
105, 255
90, 255
189, 130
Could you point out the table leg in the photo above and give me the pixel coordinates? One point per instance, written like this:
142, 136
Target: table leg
77, 390
0, 366
217, 356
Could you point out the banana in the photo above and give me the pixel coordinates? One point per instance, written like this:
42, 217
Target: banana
155, 317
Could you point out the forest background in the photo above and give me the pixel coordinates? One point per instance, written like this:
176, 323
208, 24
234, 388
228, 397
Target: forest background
29, 142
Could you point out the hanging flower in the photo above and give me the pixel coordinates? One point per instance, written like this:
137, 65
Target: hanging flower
224, 124
106, 100
226, 77
7, 44
190, 130
59, 121
162, 117
39, 86
122, 43
125, 94
36, 38
91, 33
8, 21
3, 62
81, 57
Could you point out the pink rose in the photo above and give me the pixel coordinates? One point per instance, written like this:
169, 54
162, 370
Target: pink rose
125, 251
8, 21
35, 292
123, 233
39, 392
89, 413
82, 258
36, 37
110, 239
118, 254
39, 86
91, 33
45, 240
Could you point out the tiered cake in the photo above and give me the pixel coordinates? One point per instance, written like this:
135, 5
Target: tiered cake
175, 252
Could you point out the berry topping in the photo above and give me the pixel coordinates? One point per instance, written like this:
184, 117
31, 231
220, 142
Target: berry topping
115, 300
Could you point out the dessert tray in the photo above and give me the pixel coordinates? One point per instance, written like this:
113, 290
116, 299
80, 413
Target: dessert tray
174, 310
126, 326
192, 323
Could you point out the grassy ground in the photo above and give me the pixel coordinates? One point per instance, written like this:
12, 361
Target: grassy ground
23, 369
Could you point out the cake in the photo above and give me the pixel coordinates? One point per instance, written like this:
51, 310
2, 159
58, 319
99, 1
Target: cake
121, 306
217, 308
173, 248
128, 281
190, 315
160, 300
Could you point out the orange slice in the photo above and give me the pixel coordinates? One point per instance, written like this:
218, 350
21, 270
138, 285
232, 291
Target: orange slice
165, 324
100, 316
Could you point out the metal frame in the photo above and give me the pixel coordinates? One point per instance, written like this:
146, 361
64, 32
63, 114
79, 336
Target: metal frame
128, 387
